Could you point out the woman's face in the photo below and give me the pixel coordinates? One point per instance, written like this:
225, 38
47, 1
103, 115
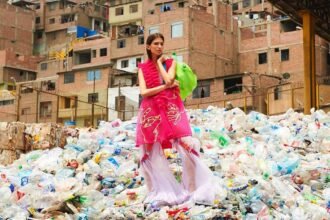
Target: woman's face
156, 47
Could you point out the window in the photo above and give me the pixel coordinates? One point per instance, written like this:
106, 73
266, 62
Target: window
93, 53
39, 34
288, 26
232, 85
181, 4
121, 43
209, 3
119, 11
140, 29
43, 66
93, 73
50, 86
153, 30
67, 102
151, 11
7, 102
165, 7
45, 109
262, 58
124, 64
52, 21
93, 97
97, 25
82, 57
235, 6
68, 78
137, 61
103, 52
285, 55
328, 58
37, 20
277, 93
140, 40
177, 29
246, 3
26, 111
67, 18
133, 8
202, 90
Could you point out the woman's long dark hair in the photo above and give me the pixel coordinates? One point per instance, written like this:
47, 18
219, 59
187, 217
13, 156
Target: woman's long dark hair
150, 39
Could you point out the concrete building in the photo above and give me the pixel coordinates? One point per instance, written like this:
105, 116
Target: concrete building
127, 50
203, 35
72, 38
17, 63
59, 22
245, 52
271, 54
83, 86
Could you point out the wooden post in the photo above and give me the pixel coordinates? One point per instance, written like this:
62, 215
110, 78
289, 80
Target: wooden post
309, 61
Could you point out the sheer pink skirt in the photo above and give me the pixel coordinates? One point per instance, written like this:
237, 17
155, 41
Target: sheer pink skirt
164, 189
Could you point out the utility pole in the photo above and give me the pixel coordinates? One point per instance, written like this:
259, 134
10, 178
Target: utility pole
17, 90
93, 98
75, 108
18, 95
37, 105
118, 101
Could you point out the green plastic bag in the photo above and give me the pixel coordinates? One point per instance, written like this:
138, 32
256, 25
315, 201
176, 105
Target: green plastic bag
186, 77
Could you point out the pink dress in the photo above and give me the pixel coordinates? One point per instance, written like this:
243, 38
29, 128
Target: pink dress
161, 117
163, 123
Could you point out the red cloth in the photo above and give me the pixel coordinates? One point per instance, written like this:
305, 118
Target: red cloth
161, 117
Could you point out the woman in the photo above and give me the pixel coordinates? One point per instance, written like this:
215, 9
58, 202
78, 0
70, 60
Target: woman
163, 123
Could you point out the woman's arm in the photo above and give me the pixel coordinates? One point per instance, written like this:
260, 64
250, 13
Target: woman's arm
168, 76
144, 91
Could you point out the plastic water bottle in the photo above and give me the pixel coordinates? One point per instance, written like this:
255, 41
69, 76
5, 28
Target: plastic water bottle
222, 139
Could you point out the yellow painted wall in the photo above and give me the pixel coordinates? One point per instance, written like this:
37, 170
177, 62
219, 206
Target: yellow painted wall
127, 16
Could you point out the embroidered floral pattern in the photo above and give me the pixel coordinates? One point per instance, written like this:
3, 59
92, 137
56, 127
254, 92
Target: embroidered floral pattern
173, 113
148, 121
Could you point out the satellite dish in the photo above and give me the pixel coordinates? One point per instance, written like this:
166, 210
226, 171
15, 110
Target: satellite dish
286, 75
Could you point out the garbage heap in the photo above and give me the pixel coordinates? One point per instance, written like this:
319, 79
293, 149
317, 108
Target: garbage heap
266, 168
17, 138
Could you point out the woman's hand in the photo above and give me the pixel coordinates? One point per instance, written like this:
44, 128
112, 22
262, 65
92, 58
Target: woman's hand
161, 60
176, 83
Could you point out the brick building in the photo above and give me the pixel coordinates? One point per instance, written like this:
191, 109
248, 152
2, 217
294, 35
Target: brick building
204, 36
246, 52
72, 36
271, 53
17, 63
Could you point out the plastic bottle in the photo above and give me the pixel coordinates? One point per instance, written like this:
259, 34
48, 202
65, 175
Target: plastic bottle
288, 165
223, 140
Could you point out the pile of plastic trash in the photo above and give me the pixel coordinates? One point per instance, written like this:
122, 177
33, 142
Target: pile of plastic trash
266, 167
